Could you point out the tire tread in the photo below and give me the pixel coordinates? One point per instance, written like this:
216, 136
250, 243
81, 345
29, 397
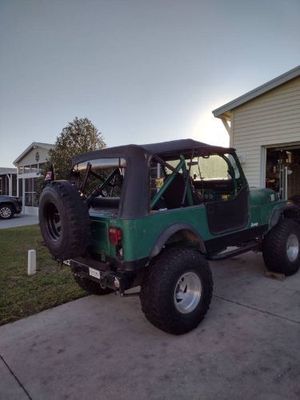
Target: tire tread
155, 290
274, 248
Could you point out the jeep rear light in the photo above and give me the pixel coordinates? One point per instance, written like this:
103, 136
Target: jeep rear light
115, 236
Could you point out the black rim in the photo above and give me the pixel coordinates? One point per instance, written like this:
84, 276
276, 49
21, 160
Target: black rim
53, 221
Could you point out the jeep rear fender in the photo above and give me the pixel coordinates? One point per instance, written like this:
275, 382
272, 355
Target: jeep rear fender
178, 233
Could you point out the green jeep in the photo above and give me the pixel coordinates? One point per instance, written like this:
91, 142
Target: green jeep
153, 215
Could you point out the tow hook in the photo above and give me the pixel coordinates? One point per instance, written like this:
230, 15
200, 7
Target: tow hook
119, 282
118, 286
113, 281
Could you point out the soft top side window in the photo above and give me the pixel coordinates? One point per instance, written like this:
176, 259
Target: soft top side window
183, 182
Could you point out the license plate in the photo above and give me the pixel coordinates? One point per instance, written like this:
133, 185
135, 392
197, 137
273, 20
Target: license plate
94, 272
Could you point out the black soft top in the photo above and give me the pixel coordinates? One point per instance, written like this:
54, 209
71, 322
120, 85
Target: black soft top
183, 146
135, 200
162, 149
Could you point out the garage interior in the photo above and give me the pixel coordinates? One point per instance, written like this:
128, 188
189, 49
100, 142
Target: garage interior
283, 171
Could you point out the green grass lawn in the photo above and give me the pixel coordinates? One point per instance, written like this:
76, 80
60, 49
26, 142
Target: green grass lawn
22, 295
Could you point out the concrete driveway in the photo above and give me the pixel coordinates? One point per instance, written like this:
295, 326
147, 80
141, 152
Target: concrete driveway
248, 346
19, 220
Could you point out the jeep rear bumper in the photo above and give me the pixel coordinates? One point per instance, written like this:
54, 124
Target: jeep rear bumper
111, 264
119, 277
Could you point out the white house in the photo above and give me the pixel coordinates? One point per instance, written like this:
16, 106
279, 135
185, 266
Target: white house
29, 165
264, 127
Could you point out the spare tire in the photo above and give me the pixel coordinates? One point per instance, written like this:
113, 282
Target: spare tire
64, 220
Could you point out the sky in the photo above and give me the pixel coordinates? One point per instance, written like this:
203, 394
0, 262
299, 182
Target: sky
142, 71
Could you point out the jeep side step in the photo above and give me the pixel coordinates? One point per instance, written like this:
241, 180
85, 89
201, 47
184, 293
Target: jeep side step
230, 253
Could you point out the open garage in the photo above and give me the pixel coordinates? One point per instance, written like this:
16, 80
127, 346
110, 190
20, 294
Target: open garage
264, 127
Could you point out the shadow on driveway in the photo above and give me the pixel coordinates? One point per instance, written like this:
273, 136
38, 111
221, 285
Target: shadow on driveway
103, 348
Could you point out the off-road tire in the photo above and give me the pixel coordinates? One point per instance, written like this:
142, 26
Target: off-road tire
158, 289
275, 248
90, 286
64, 220
6, 211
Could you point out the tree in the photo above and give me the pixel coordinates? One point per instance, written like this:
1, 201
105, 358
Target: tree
79, 136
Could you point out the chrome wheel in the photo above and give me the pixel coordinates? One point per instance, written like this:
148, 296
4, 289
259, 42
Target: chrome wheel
292, 247
187, 292
5, 212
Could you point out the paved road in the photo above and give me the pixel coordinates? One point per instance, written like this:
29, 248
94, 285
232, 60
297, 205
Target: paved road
248, 346
18, 220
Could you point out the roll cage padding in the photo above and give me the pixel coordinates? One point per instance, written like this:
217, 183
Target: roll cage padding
105, 202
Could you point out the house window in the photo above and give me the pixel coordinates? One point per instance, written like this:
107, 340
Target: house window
31, 199
20, 188
14, 185
34, 168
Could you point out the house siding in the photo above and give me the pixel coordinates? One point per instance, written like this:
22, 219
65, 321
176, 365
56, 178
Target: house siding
30, 157
271, 119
